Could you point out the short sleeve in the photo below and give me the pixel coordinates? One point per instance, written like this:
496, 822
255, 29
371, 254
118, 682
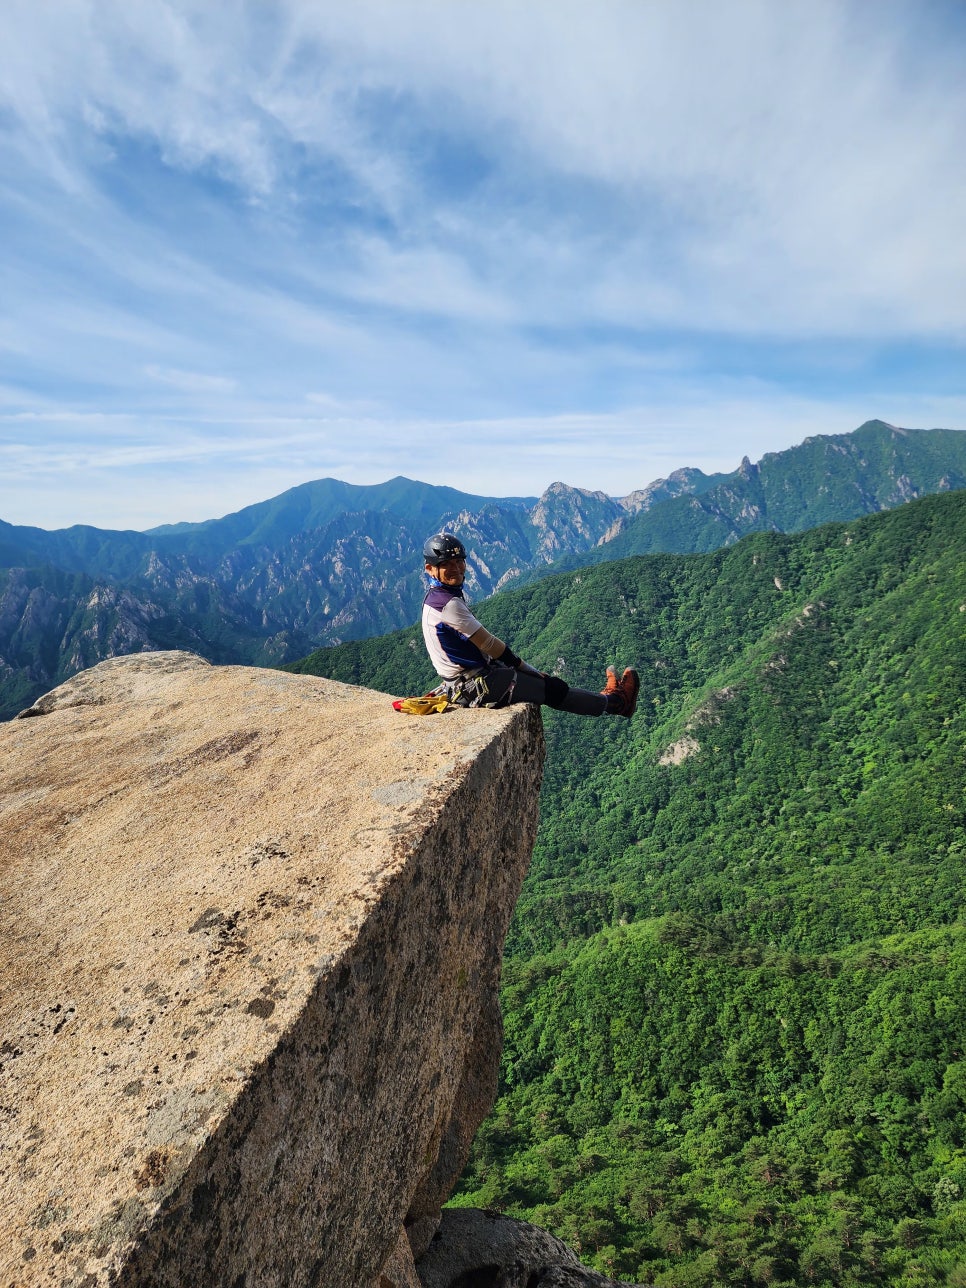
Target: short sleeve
457, 615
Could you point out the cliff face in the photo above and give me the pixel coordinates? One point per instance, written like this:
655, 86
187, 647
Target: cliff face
250, 935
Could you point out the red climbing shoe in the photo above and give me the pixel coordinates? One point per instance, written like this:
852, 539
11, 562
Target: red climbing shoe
621, 694
629, 686
612, 685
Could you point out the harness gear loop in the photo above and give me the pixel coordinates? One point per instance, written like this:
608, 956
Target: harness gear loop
474, 691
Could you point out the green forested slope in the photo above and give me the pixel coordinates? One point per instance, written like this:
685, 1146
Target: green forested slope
825, 479
736, 985
685, 1113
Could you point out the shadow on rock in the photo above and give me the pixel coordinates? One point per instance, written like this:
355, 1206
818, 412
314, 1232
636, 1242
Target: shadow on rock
478, 1249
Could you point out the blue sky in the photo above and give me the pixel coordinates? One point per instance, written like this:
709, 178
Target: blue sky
476, 242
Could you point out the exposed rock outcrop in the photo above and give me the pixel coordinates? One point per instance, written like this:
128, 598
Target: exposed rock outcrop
250, 936
475, 1249
704, 716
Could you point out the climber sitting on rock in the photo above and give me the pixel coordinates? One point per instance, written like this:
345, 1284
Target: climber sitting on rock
479, 670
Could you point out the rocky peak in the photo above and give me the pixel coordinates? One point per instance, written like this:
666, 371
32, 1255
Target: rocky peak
570, 518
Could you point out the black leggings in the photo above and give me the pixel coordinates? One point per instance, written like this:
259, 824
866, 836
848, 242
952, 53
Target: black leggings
505, 685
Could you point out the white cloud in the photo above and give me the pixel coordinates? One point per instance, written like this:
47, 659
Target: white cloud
521, 220
190, 381
789, 167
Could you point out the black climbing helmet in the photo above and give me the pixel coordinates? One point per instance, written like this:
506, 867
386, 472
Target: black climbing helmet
442, 546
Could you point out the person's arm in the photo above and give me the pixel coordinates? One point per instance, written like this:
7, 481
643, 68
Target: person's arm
531, 670
458, 615
495, 648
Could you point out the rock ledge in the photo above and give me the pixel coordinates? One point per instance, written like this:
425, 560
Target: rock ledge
250, 934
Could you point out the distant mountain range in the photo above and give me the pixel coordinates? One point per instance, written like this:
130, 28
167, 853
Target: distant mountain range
328, 561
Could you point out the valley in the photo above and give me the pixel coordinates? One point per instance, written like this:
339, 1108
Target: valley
734, 982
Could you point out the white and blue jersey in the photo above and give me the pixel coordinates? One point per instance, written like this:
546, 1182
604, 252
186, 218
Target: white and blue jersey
447, 626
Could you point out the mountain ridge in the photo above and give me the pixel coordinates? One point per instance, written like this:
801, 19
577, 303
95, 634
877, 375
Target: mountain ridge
799, 488
271, 582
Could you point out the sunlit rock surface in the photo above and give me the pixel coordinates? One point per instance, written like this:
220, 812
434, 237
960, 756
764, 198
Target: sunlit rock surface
250, 934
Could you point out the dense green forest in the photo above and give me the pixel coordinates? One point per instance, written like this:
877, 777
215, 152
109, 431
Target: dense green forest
735, 986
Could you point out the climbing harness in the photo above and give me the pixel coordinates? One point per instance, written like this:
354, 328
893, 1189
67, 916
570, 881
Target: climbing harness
474, 691
466, 691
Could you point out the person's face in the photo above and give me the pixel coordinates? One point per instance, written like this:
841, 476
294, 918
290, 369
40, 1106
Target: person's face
450, 573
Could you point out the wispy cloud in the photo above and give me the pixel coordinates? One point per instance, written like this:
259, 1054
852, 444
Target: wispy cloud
192, 382
544, 215
128, 472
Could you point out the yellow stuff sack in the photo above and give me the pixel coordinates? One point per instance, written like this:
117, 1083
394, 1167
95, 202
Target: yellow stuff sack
430, 704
